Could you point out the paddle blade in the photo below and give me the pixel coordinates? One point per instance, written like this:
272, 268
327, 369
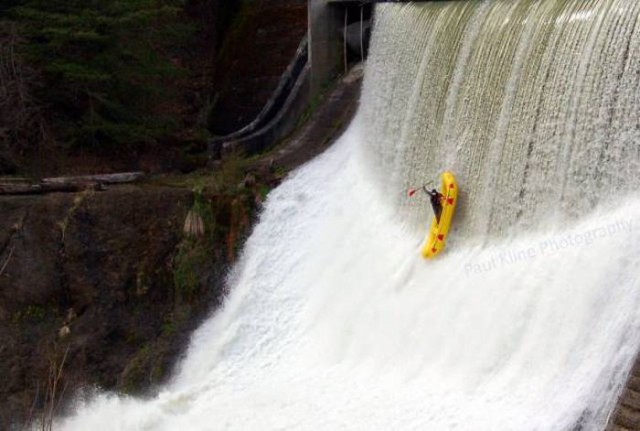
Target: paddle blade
412, 192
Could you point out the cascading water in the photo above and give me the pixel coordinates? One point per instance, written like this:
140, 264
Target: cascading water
534, 104
333, 321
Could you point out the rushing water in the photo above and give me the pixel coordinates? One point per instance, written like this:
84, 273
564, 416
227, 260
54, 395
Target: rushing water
530, 319
534, 104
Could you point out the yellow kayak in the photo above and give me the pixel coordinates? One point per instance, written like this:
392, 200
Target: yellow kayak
438, 234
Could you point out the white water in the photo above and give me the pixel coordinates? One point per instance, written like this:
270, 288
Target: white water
334, 322
534, 104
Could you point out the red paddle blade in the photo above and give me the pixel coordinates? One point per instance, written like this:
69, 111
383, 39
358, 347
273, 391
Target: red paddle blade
412, 192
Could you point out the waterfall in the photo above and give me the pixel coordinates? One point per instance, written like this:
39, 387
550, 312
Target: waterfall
534, 105
529, 320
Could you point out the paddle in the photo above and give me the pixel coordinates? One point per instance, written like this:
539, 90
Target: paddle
413, 191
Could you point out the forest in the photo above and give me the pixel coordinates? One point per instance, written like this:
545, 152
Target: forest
88, 80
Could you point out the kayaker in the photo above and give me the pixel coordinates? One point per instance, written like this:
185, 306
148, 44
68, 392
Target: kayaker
436, 201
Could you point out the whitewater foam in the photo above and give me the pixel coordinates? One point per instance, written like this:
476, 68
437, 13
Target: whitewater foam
335, 322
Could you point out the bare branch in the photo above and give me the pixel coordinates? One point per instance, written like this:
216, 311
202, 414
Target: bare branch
6, 262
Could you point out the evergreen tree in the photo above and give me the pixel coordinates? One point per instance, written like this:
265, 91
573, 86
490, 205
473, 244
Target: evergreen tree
104, 63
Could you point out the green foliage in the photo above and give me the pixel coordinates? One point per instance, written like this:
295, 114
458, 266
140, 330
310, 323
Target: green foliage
194, 252
140, 370
201, 206
33, 313
169, 327
190, 260
104, 64
224, 179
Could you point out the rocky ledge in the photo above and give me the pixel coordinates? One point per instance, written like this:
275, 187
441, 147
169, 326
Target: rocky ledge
102, 288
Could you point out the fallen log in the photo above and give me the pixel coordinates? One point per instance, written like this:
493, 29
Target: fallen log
19, 188
120, 178
30, 189
67, 184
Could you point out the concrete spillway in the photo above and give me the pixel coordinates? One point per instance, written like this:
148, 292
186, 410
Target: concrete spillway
531, 319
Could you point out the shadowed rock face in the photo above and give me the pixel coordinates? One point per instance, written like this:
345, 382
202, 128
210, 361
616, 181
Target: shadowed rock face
258, 48
97, 263
94, 273
7, 167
